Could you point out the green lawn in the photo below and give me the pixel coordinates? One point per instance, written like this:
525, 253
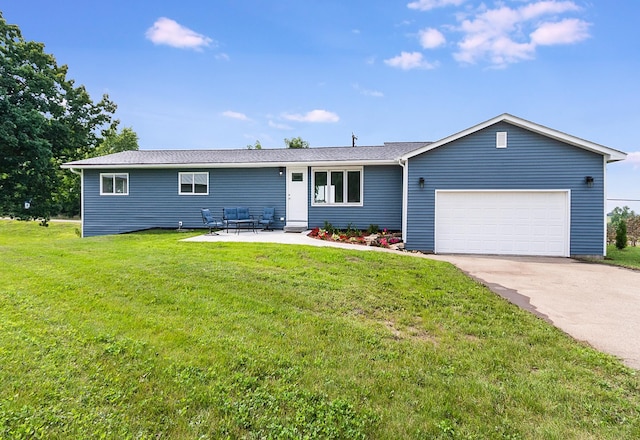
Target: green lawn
145, 336
627, 257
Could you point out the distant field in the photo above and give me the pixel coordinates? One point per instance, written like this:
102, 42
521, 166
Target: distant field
145, 336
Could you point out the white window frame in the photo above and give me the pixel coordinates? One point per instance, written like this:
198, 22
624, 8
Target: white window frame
193, 174
501, 139
113, 178
345, 190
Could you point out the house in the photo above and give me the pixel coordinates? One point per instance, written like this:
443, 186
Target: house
505, 186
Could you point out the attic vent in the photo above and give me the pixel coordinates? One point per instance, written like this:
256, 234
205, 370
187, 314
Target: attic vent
501, 139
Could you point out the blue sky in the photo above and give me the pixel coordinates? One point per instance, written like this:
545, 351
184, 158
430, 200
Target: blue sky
225, 73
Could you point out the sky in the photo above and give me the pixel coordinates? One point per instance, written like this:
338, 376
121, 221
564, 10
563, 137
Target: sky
199, 74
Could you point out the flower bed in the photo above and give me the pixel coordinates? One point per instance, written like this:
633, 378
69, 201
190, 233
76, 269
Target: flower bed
384, 238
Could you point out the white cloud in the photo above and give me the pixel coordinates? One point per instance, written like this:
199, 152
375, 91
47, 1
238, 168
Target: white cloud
169, 32
506, 35
427, 5
368, 92
431, 38
634, 159
279, 126
408, 61
313, 116
235, 115
547, 7
567, 31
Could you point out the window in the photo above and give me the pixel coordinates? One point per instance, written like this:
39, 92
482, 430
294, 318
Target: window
297, 177
501, 139
194, 183
337, 187
112, 184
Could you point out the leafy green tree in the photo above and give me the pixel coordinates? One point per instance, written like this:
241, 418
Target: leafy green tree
621, 234
296, 142
256, 146
619, 213
114, 142
45, 120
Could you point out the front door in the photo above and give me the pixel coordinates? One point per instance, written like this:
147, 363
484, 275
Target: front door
297, 197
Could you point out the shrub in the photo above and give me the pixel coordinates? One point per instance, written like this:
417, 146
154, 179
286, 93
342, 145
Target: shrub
621, 234
329, 227
352, 231
373, 229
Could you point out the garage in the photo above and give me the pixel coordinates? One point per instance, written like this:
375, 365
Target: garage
502, 222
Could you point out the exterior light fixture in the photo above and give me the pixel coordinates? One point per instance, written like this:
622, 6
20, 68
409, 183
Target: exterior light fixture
421, 182
589, 181
281, 170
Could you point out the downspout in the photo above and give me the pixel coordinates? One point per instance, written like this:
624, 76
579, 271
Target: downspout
405, 197
81, 174
606, 208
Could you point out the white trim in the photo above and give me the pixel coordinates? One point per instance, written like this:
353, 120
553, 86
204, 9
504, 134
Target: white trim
567, 249
114, 193
610, 154
345, 171
501, 139
180, 193
82, 194
604, 194
405, 198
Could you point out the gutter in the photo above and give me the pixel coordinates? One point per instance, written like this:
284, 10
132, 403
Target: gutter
209, 165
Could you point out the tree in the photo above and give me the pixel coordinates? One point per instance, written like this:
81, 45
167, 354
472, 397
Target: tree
619, 213
621, 234
45, 120
115, 142
633, 229
296, 142
611, 233
256, 146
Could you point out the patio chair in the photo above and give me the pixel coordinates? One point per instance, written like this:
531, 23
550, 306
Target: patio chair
210, 221
267, 218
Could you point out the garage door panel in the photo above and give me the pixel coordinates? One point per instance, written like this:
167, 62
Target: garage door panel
503, 222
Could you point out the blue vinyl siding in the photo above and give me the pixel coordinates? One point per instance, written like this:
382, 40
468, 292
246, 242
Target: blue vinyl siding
153, 200
382, 203
531, 161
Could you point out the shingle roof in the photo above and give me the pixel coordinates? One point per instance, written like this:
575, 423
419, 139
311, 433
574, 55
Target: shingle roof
389, 152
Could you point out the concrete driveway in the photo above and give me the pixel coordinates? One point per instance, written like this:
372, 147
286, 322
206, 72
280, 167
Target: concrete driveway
595, 303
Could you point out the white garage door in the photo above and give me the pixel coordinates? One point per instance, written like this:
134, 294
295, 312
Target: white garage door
502, 222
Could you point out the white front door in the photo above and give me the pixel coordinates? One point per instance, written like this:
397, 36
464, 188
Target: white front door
297, 197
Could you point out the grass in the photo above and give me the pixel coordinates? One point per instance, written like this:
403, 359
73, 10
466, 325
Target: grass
627, 257
145, 336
